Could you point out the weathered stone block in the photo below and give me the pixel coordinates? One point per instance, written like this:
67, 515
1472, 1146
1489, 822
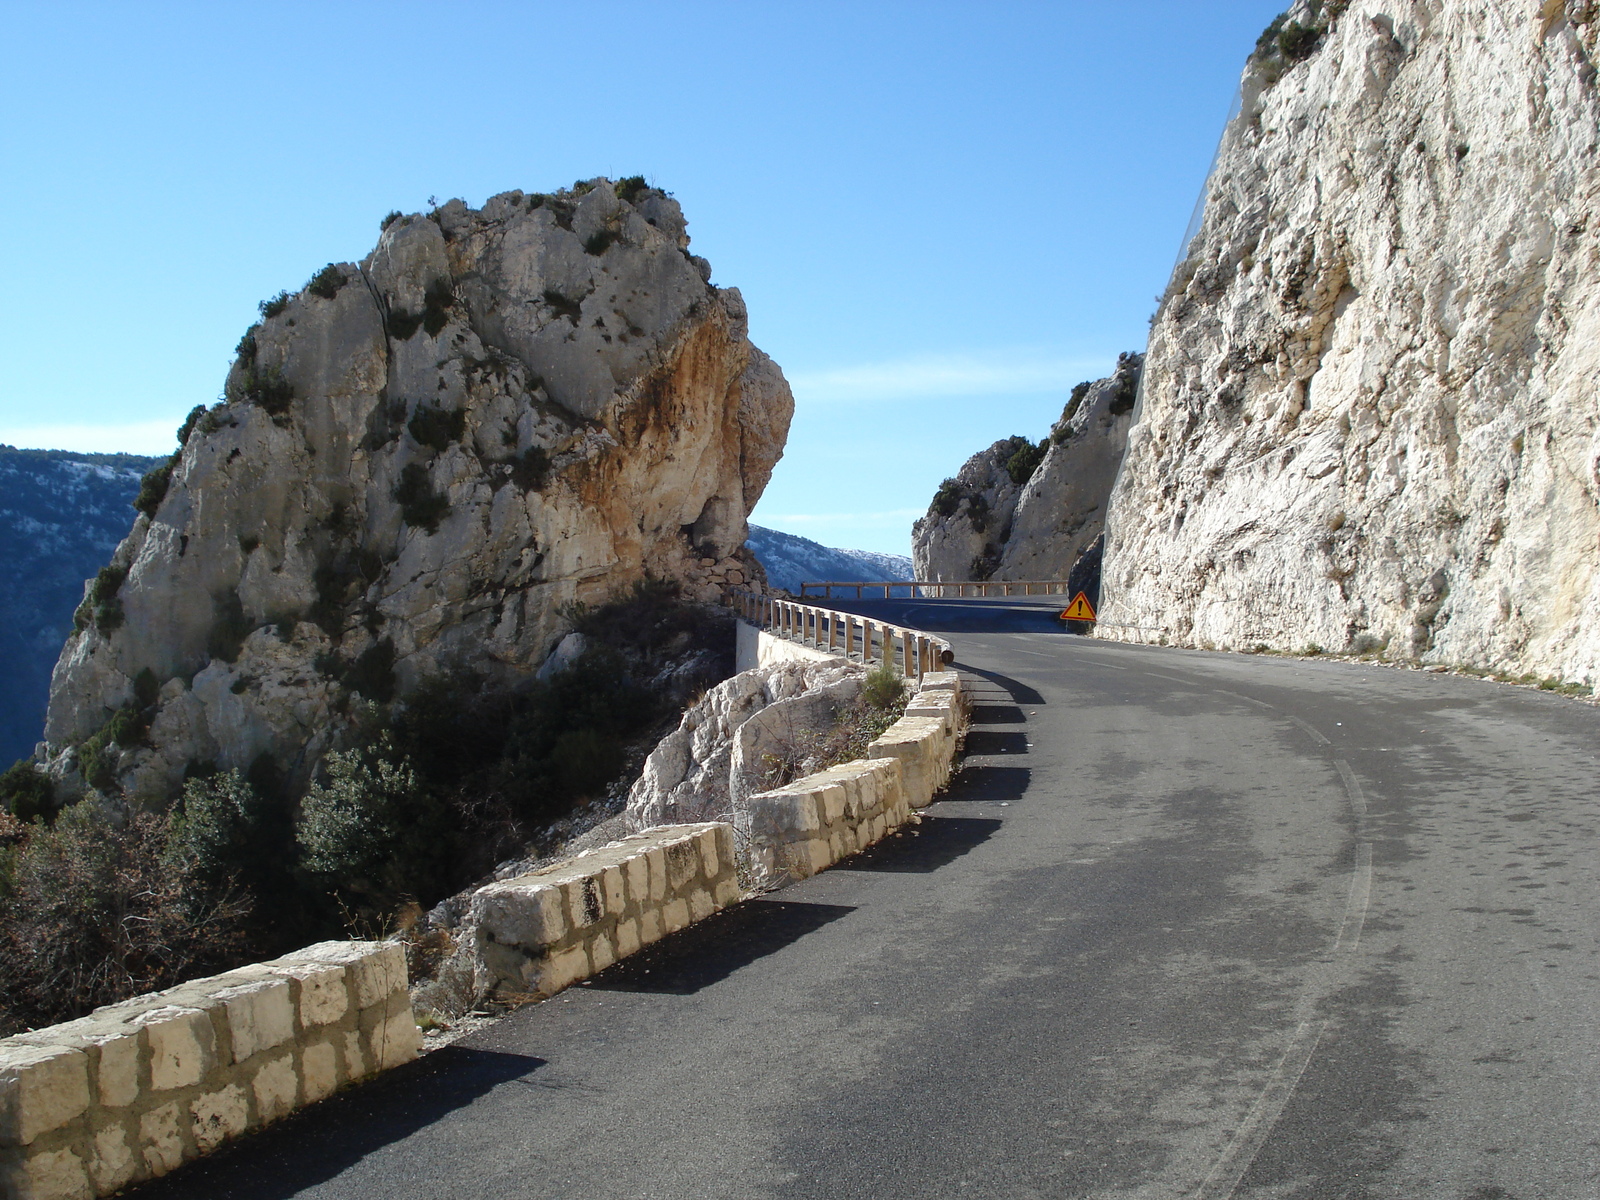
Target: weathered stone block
276, 1086
324, 992
708, 854
41, 1088
182, 1046
161, 1138
727, 892
111, 1160
260, 1016
522, 913
117, 1078
218, 1116
357, 1063
657, 858
627, 938
601, 953
636, 870
395, 1040
559, 969
674, 916
650, 926
585, 903
46, 1175
614, 891
701, 905
683, 863
319, 1071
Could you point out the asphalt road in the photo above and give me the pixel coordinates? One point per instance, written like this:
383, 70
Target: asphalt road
1187, 925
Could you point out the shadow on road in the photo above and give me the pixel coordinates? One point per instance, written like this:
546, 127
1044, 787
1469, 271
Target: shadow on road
998, 714
919, 849
319, 1142
711, 950
989, 783
996, 741
1015, 688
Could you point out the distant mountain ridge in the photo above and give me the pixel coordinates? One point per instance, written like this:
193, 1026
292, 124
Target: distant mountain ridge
61, 516
790, 560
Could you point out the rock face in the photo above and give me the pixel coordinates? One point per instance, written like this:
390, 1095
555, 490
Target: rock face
1369, 415
985, 524
715, 757
419, 458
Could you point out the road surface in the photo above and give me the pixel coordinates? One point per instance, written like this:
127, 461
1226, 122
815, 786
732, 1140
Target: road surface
1186, 925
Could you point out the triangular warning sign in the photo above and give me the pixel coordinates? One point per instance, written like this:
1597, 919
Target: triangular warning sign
1079, 610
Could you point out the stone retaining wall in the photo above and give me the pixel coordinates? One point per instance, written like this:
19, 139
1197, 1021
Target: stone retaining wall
544, 931
134, 1089
797, 830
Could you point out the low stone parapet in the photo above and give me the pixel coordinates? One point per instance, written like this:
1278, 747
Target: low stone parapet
795, 831
544, 931
136, 1088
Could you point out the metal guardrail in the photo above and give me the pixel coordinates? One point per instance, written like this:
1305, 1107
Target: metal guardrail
854, 636
938, 589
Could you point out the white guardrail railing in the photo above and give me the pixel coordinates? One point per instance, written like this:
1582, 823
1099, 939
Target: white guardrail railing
925, 589
916, 653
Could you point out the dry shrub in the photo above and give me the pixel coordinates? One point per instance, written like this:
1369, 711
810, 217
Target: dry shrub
93, 909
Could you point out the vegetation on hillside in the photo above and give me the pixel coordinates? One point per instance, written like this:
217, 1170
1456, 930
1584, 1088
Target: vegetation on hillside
103, 899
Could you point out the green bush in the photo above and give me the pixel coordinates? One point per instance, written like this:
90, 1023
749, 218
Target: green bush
631, 188
101, 606
884, 687
437, 427
948, 498
1298, 42
372, 673
1079, 392
268, 389
1025, 460
389, 220
196, 415
978, 512
275, 306
530, 469
246, 350
420, 506
218, 830
326, 283
599, 241
401, 324
153, 488
27, 793
370, 833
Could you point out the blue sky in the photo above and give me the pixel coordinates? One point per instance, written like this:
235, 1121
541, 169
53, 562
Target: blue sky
942, 216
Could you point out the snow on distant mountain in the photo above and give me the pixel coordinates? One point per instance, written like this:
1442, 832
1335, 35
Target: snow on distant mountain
790, 561
61, 516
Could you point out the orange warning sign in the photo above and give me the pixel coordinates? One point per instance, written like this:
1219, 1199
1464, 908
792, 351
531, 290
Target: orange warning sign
1079, 610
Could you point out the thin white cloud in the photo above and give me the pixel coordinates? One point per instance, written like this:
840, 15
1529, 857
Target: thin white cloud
950, 375
139, 437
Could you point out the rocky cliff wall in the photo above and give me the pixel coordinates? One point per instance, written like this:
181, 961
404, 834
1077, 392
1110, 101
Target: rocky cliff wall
1369, 413
1022, 511
419, 458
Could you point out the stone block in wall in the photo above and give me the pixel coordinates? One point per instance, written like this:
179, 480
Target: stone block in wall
541, 932
923, 746
808, 825
137, 1088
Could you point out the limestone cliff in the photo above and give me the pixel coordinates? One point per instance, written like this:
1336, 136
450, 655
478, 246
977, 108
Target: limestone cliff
1369, 413
419, 458
1021, 511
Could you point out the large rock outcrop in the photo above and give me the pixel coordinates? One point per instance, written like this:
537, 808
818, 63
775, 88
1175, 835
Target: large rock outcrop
1369, 415
1020, 511
419, 459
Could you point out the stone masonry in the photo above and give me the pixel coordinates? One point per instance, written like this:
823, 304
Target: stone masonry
137, 1088
541, 932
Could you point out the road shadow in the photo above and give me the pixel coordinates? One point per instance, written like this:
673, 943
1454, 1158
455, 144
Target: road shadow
315, 1144
1015, 688
988, 783
709, 951
996, 741
998, 714
919, 849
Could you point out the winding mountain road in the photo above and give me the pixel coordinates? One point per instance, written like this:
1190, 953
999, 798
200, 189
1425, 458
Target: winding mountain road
1186, 925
